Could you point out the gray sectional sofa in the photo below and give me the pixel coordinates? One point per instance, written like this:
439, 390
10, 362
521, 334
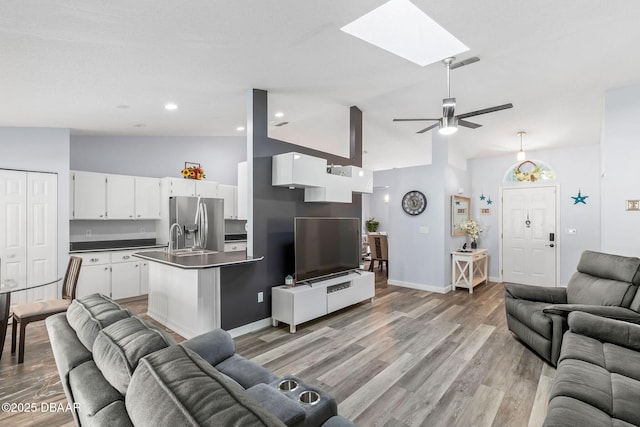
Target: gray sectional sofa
597, 382
118, 370
590, 331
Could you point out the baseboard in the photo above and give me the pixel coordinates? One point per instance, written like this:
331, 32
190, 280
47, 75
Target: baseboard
251, 327
420, 286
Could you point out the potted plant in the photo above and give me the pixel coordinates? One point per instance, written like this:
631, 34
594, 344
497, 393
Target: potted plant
372, 225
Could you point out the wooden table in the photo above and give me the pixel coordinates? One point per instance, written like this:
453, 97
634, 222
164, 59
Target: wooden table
468, 269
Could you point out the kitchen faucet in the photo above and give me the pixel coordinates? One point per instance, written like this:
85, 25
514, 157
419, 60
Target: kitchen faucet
177, 227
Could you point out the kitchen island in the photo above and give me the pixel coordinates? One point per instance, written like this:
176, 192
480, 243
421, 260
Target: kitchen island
184, 288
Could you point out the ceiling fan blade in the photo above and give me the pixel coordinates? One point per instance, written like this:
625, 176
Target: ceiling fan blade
415, 120
465, 62
468, 124
429, 128
485, 111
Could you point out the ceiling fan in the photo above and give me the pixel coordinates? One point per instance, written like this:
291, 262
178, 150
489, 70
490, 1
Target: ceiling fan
449, 122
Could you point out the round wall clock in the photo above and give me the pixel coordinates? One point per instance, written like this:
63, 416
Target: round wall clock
414, 202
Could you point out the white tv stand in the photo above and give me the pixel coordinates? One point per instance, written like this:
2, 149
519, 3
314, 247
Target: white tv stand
304, 302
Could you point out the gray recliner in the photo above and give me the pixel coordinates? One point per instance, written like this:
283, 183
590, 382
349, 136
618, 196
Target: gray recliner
605, 285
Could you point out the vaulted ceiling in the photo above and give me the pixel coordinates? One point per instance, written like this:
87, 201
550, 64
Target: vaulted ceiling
108, 68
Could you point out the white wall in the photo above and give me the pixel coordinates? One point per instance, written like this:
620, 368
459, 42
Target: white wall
42, 150
159, 156
620, 152
577, 168
420, 246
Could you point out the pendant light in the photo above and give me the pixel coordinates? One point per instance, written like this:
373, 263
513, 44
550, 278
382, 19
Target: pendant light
521, 154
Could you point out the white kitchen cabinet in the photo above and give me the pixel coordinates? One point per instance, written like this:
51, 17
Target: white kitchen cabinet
89, 195
206, 189
144, 277
117, 274
235, 246
147, 198
95, 274
191, 187
228, 193
242, 195
120, 196
125, 280
109, 196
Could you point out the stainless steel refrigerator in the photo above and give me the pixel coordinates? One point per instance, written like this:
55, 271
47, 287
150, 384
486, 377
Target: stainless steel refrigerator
201, 221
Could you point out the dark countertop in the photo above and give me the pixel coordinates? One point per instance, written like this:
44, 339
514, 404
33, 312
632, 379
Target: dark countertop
218, 259
113, 245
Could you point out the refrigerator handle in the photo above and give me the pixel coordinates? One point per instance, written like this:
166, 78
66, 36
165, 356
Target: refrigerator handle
205, 220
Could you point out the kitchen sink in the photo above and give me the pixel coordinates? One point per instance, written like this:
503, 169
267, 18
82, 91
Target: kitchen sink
191, 252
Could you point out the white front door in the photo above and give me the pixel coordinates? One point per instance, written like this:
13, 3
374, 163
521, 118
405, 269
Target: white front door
529, 236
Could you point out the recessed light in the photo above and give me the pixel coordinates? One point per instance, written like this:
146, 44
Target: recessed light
170, 106
279, 114
400, 27
240, 128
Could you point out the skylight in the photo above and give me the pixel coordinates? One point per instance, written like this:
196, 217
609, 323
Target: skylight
400, 27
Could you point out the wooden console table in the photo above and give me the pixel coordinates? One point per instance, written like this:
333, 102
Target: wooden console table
468, 269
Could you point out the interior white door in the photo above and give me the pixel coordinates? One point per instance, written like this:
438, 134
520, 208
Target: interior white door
529, 242
42, 234
13, 244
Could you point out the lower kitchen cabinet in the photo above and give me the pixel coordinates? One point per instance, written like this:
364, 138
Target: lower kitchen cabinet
125, 280
117, 274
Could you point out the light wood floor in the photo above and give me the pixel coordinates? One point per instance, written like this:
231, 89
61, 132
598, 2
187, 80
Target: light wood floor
410, 358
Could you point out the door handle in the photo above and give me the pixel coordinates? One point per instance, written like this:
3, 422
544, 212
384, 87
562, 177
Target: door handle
551, 245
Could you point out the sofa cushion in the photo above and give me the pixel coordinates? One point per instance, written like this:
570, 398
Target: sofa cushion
91, 391
566, 411
608, 266
118, 348
245, 372
213, 346
591, 290
584, 381
89, 314
176, 387
530, 313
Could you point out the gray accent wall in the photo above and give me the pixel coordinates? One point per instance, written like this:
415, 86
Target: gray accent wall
159, 156
274, 210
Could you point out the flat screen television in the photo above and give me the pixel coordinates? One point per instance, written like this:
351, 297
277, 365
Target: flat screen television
325, 246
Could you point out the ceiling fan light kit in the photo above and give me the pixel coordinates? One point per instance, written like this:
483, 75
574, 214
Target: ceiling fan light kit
449, 122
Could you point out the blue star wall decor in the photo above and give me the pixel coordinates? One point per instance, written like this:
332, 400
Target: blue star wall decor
579, 199
489, 201
482, 197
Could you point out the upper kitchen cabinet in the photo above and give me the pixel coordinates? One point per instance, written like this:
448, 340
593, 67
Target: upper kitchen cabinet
109, 196
191, 187
89, 190
147, 198
229, 194
120, 197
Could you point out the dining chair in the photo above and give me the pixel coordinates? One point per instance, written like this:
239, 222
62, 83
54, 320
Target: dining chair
26, 313
379, 251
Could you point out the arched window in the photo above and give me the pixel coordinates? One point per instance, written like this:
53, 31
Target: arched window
529, 171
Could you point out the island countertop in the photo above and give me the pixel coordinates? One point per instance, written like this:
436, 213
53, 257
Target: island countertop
210, 260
